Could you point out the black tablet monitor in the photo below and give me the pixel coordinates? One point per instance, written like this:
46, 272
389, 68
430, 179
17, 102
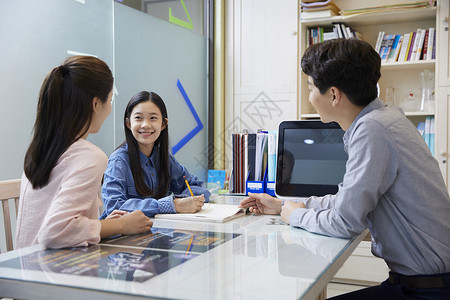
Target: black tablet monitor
311, 158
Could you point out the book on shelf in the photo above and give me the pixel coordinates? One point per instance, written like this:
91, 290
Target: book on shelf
210, 212
315, 2
421, 128
386, 45
271, 155
430, 48
261, 155
254, 160
432, 135
417, 49
330, 6
395, 50
385, 8
429, 133
338, 30
323, 9
251, 155
404, 49
411, 46
306, 15
425, 45
379, 40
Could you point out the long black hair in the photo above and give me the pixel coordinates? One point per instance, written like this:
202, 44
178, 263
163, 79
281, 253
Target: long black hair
64, 112
162, 142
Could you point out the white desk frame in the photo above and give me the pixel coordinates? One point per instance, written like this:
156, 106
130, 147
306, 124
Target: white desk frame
225, 272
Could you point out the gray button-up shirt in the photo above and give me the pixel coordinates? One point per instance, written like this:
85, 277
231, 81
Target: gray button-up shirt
394, 187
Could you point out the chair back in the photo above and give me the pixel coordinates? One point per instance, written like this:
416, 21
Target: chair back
9, 193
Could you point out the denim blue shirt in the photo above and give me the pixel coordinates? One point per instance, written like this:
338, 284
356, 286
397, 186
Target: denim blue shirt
119, 191
394, 187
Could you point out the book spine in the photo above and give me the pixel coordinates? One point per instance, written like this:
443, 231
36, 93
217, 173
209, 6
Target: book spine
416, 44
272, 153
426, 135
405, 43
308, 37
251, 155
246, 160
434, 46
344, 31
411, 46
379, 39
425, 45
430, 43
397, 50
387, 48
338, 29
420, 44
432, 135
393, 52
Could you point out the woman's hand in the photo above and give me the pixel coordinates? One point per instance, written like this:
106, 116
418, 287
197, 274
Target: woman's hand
116, 214
189, 204
135, 222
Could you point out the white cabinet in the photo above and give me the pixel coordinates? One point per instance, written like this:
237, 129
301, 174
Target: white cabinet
443, 43
362, 268
261, 55
443, 89
443, 130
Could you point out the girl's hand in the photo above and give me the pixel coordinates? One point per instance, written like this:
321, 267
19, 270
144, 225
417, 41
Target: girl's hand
189, 204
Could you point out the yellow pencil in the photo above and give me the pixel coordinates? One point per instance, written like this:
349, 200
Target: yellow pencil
189, 187
189, 246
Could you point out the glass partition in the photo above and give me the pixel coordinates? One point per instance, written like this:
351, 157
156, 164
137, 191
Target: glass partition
144, 53
155, 55
36, 36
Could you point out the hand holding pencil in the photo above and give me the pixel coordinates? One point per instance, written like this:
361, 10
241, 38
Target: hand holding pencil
190, 204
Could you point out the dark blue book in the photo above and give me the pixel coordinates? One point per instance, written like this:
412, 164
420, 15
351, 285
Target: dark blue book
251, 155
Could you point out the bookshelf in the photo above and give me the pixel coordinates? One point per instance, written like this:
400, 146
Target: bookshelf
402, 76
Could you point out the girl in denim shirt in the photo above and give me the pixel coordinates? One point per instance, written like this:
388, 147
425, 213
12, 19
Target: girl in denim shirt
141, 173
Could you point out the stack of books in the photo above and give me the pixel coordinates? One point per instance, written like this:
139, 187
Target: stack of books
426, 129
337, 30
313, 9
385, 8
254, 160
411, 46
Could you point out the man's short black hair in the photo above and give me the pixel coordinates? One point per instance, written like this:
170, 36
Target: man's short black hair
351, 65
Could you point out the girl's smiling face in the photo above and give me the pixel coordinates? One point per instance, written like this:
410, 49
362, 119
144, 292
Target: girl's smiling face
146, 123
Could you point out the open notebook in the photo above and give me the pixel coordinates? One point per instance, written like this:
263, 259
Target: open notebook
211, 212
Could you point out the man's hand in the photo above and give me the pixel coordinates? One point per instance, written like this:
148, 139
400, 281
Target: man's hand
287, 209
262, 204
189, 204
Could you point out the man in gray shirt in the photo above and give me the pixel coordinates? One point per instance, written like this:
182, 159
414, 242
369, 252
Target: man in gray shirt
392, 184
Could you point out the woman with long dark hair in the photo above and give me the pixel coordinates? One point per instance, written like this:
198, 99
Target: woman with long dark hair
59, 202
141, 173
